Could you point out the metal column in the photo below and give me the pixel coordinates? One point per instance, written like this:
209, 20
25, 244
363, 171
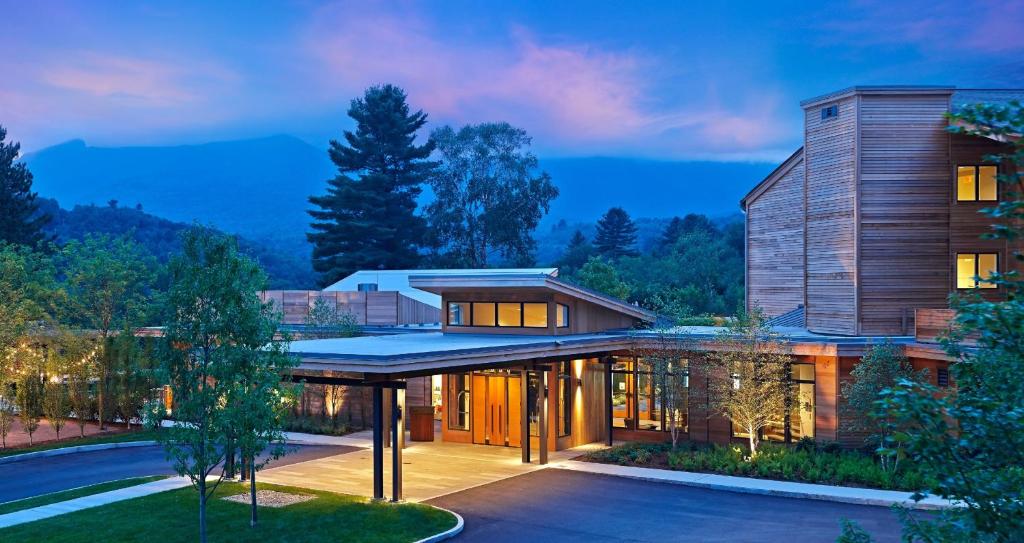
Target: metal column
609, 415
542, 414
378, 442
397, 441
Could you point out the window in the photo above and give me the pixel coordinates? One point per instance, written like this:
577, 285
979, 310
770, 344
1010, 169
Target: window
458, 401
564, 399
484, 314
800, 420
510, 314
458, 313
643, 399
830, 112
535, 315
976, 184
561, 315
942, 377
973, 268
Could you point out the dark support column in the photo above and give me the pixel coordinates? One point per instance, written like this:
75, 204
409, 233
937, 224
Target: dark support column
609, 414
378, 442
524, 416
397, 441
542, 414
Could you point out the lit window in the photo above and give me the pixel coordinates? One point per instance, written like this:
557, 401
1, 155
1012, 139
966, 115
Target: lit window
458, 400
976, 184
458, 313
510, 314
561, 316
484, 314
535, 315
972, 269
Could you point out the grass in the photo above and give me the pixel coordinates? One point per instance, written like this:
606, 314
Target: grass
120, 437
173, 516
807, 463
64, 495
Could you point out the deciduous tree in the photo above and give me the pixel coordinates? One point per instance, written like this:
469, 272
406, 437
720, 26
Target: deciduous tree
597, 274
29, 397
56, 404
326, 320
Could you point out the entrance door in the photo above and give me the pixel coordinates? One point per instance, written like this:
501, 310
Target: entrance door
515, 413
497, 410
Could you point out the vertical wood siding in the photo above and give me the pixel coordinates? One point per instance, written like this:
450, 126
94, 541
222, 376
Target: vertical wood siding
775, 245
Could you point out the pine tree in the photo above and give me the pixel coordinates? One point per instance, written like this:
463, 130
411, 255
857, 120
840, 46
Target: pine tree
367, 218
20, 221
672, 232
576, 254
616, 234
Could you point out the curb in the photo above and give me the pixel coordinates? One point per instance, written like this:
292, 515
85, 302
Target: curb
800, 494
75, 449
449, 533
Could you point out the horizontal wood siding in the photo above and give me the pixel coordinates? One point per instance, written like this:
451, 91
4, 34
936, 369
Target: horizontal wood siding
775, 245
830, 231
905, 186
384, 308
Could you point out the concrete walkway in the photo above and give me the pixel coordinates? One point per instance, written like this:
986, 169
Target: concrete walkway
95, 500
749, 485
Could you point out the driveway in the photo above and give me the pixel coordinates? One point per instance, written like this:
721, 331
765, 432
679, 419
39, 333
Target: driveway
28, 478
560, 505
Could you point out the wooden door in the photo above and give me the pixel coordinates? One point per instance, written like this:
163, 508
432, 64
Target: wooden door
497, 410
478, 399
515, 413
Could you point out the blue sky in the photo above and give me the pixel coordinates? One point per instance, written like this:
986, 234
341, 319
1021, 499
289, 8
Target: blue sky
669, 80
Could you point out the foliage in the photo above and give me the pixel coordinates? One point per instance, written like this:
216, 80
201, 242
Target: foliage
20, 220
56, 405
325, 320
667, 358
577, 253
881, 368
616, 234
7, 412
488, 198
599, 275
215, 316
29, 396
29, 293
311, 425
133, 378
748, 375
366, 220
75, 355
820, 463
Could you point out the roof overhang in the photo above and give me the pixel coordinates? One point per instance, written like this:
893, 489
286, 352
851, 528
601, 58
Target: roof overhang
878, 90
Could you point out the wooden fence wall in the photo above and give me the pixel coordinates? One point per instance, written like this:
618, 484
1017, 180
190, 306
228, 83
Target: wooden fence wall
381, 308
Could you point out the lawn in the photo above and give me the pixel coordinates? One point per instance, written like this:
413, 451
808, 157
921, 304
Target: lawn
64, 495
171, 517
806, 463
120, 437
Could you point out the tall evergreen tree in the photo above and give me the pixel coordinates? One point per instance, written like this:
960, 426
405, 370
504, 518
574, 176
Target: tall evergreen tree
576, 254
616, 234
20, 222
367, 218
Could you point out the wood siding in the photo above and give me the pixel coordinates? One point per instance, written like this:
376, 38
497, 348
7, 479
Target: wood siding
904, 194
775, 245
830, 201
381, 308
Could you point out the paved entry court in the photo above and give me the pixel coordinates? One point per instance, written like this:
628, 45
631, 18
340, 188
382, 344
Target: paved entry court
429, 469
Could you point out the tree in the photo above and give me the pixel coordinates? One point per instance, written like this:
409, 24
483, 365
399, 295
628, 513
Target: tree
77, 355
597, 274
29, 397
325, 320
616, 234
7, 412
132, 378
576, 254
748, 375
667, 358
20, 220
970, 441
109, 281
214, 321
488, 196
28, 294
881, 368
367, 218
56, 405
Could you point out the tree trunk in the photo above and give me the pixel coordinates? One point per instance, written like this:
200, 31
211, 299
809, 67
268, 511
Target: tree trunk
753, 442
202, 510
252, 491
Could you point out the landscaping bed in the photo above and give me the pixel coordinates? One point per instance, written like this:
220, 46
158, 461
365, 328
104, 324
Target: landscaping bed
117, 437
65, 495
806, 463
171, 517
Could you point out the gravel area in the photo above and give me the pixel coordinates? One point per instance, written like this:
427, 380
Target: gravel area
271, 498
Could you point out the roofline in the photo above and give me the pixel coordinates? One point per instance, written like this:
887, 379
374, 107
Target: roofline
767, 183
531, 281
878, 89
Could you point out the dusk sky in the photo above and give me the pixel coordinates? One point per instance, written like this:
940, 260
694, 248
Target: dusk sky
643, 79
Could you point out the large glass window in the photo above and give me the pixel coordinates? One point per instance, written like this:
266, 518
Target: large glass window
799, 422
535, 315
976, 184
458, 313
564, 399
973, 268
510, 314
484, 314
643, 399
458, 401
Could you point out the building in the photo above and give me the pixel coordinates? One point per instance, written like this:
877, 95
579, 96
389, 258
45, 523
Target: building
856, 239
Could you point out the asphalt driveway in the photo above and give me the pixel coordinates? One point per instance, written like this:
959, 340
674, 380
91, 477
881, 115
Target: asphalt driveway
560, 505
28, 478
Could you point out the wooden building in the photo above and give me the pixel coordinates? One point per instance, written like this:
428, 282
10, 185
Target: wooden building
876, 215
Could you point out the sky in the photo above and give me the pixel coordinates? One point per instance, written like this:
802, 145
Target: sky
660, 80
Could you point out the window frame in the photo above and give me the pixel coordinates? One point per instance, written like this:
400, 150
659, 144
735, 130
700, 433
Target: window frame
558, 311
452, 411
471, 313
977, 183
977, 263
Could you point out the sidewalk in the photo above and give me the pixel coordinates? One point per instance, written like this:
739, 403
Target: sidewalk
95, 500
843, 494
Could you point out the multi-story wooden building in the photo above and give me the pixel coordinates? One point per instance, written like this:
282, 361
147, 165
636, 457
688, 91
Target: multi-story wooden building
877, 215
